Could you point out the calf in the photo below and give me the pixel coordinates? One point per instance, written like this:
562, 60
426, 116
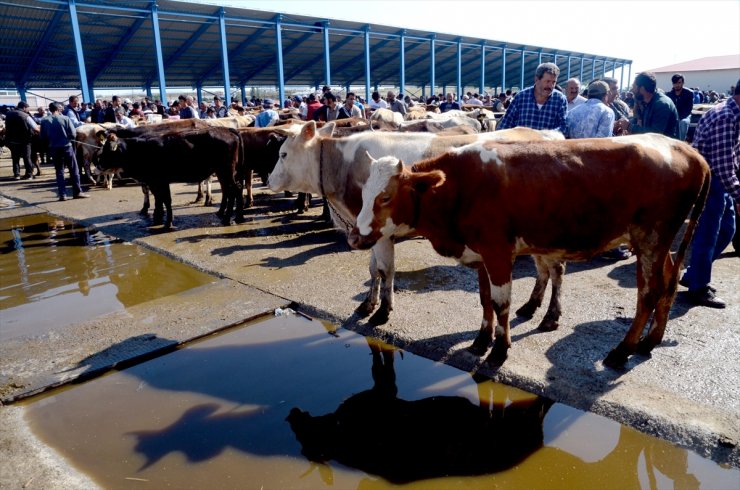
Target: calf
486, 203
336, 169
158, 160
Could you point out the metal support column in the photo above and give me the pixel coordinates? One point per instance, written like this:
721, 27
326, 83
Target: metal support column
482, 68
225, 56
158, 50
460, 88
327, 58
431, 61
148, 89
199, 93
580, 77
22, 93
521, 75
568, 71
243, 89
78, 50
539, 58
503, 69
593, 68
279, 48
402, 88
367, 60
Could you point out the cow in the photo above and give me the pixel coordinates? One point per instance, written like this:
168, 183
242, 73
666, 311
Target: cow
180, 156
386, 120
337, 168
87, 145
487, 203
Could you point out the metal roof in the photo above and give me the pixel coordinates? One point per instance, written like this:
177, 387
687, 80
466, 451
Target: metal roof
727, 62
118, 41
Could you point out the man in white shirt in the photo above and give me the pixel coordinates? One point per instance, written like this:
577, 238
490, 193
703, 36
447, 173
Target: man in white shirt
573, 94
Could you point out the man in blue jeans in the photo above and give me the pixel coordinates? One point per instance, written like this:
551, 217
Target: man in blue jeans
717, 138
59, 133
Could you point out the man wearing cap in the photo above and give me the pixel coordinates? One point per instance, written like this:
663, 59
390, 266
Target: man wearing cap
268, 117
59, 133
219, 109
19, 128
592, 119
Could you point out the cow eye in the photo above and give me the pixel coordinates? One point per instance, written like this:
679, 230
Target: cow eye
283, 154
385, 199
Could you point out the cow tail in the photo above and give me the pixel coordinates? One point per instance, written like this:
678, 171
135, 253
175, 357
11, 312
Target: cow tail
693, 220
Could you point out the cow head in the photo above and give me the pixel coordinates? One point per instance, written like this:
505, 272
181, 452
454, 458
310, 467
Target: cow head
390, 200
111, 156
298, 163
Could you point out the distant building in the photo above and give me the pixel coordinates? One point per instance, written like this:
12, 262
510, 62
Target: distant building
716, 73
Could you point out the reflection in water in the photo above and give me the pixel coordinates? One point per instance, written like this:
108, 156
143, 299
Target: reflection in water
213, 415
55, 273
405, 441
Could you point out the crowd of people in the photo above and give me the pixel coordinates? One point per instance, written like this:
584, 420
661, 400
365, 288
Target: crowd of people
598, 110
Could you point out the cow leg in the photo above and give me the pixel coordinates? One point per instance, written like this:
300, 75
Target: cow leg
238, 192
485, 335
302, 202
373, 296
538, 293
145, 209
249, 202
649, 290
384, 251
662, 309
199, 196
499, 275
167, 198
209, 192
556, 270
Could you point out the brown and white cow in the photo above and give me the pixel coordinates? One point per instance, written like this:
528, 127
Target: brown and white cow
337, 168
487, 202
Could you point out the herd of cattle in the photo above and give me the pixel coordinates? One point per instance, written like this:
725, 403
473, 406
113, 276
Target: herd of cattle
482, 197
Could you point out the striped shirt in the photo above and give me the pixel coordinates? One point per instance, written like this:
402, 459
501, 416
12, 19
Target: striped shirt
717, 138
523, 111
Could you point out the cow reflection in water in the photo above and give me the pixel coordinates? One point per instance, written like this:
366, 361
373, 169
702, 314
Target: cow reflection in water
404, 441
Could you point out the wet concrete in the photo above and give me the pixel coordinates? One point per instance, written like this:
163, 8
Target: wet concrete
687, 392
349, 412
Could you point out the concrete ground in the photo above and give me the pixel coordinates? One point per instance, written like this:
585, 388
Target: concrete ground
687, 392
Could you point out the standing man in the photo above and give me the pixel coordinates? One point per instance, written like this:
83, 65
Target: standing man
539, 106
592, 119
19, 129
573, 93
58, 132
349, 109
70, 110
618, 106
449, 104
327, 112
717, 138
219, 108
658, 114
683, 99
394, 104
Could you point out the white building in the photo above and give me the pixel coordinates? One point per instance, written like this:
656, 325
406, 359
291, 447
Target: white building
716, 73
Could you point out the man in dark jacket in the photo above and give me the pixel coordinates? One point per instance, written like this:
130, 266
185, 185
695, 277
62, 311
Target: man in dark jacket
59, 133
19, 128
658, 114
683, 99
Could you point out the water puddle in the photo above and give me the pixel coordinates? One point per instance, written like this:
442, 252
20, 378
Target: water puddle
56, 273
290, 403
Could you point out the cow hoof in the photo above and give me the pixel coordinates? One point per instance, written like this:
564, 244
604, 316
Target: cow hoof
144, 212
548, 325
380, 317
239, 220
226, 221
481, 344
644, 347
527, 310
208, 202
248, 204
616, 359
498, 354
197, 200
365, 308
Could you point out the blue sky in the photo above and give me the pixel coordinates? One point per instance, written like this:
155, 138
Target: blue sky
651, 33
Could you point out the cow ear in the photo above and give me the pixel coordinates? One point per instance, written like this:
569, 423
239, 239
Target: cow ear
424, 181
328, 130
309, 130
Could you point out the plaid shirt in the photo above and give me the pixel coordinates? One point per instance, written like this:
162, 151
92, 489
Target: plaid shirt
523, 111
717, 138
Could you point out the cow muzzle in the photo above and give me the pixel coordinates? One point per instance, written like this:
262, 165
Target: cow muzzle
359, 241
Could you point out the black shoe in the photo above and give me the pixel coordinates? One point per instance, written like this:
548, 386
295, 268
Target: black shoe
16, 177
705, 297
28, 177
81, 195
683, 282
62, 198
38, 173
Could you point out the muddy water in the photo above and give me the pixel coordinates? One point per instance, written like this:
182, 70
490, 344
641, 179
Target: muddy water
56, 273
289, 403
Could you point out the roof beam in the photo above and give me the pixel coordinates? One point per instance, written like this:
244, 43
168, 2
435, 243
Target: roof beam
38, 50
361, 57
317, 58
110, 57
296, 44
182, 49
234, 53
